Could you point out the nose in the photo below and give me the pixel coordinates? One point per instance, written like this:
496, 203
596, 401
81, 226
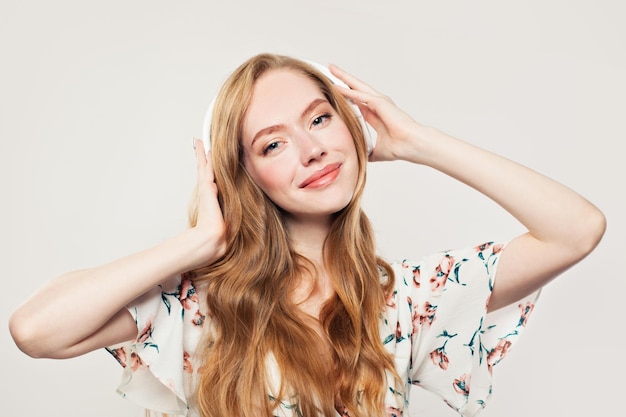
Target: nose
311, 148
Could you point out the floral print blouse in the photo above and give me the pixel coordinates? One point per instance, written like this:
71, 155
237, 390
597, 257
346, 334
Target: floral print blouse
435, 325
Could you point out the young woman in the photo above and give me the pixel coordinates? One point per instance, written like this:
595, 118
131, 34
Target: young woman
274, 302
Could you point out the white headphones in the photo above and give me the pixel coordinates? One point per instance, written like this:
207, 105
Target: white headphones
368, 131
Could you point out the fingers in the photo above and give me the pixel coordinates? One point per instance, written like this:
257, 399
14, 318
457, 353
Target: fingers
357, 96
198, 147
206, 188
359, 92
204, 162
353, 82
208, 213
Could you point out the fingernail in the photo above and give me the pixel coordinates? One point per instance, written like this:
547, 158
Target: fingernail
194, 143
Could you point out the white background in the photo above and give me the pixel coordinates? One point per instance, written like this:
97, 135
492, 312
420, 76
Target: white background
99, 102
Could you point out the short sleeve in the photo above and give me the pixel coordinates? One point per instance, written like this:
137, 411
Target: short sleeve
455, 344
154, 362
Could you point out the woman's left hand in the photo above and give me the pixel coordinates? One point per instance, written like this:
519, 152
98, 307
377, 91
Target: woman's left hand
395, 129
563, 227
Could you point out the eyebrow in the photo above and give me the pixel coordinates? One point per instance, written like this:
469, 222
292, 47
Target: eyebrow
274, 128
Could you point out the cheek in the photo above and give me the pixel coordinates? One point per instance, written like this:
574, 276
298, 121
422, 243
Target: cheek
270, 177
347, 143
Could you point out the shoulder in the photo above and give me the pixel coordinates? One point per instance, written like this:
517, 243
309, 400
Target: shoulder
435, 270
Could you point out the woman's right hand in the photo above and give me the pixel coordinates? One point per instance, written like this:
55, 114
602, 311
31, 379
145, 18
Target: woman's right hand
84, 310
209, 221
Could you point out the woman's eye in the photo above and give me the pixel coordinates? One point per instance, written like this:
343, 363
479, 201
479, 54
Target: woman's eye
270, 147
321, 119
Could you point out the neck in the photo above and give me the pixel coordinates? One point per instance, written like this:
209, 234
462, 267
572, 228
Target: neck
308, 238
308, 235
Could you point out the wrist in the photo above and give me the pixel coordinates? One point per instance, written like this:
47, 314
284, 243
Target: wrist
423, 142
201, 247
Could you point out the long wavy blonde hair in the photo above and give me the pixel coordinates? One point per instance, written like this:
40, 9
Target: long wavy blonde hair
250, 289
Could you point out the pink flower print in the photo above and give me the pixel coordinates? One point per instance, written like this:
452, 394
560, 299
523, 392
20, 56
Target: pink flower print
198, 319
390, 300
187, 366
146, 333
462, 384
445, 265
438, 280
485, 252
187, 294
439, 357
393, 411
424, 316
135, 361
526, 309
416, 277
416, 323
120, 355
399, 336
428, 313
498, 353
341, 409
484, 248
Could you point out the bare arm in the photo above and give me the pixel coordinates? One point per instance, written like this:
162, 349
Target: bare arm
84, 310
563, 227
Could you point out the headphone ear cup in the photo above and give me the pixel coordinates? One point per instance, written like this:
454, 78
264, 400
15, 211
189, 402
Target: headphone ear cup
206, 127
368, 131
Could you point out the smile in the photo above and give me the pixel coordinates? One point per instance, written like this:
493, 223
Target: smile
323, 177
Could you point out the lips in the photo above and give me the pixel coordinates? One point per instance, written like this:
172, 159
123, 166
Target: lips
322, 177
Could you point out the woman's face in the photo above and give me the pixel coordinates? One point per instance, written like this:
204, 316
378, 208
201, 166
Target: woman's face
297, 148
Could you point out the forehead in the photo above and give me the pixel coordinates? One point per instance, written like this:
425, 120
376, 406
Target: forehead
278, 97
